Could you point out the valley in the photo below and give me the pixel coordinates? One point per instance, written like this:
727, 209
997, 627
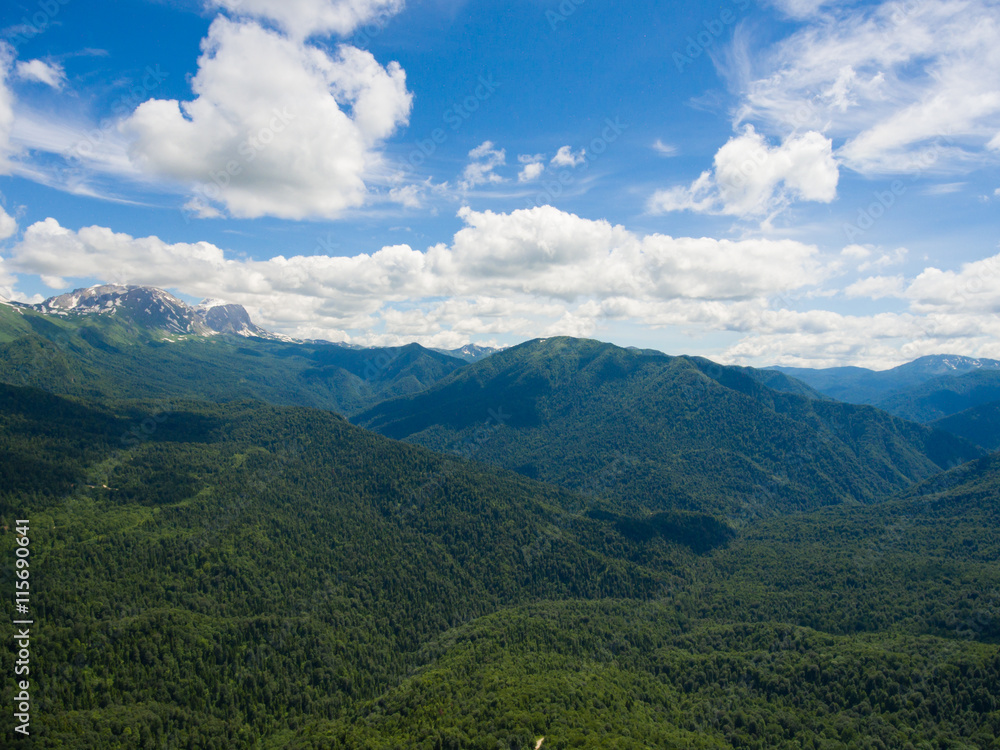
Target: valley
247, 542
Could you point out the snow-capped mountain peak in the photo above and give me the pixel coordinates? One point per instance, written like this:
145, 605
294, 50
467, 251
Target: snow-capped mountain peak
208, 304
156, 309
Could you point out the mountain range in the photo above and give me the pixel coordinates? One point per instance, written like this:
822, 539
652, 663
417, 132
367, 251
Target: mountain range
242, 540
658, 432
924, 390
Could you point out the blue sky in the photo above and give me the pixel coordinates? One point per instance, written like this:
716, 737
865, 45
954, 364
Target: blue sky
787, 181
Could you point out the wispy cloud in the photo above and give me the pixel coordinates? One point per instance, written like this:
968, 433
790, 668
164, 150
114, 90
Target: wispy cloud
945, 188
39, 71
664, 149
907, 87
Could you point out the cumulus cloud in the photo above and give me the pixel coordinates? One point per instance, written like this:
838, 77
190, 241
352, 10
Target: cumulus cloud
876, 287
304, 18
974, 288
909, 87
531, 172
752, 178
953, 311
484, 159
565, 157
277, 128
199, 209
533, 167
8, 225
511, 273
819, 338
545, 271
39, 71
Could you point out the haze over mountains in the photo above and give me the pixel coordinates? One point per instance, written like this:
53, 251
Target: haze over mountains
604, 547
926, 389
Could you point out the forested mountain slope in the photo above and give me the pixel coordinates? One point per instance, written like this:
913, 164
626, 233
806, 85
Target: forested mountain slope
859, 385
117, 356
653, 432
246, 575
979, 425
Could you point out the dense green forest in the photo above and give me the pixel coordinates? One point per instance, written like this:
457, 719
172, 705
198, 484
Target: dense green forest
251, 575
903, 390
655, 432
717, 557
944, 396
979, 425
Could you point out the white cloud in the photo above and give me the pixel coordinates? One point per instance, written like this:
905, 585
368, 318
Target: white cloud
6, 106
884, 260
751, 178
503, 273
945, 188
994, 143
799, 8
820, 338
543, 271
856, 252
408, 196
531, 172
277, 128
876, 287
39, 71
664, 149
485, 158
975, 287
908, 87
534, 165
202, 210
566, 158
8, 225
304, 18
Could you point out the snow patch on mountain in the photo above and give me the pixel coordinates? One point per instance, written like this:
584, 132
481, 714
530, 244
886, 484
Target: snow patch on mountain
157, 309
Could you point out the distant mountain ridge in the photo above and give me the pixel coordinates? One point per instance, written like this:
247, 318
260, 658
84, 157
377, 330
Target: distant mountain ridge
156, 309
957, 394
159, 310
145, 343
652, 432
470, 352
858, 385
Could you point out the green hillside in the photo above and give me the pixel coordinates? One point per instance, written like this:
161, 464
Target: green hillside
979, 425
192, 582
248, 575
858, 385
103, 356
609, 675
653, 432
944, 396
